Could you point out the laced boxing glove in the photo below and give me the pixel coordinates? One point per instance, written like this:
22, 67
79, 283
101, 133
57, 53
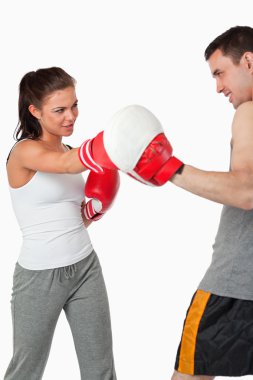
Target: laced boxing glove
133, 142
102, 188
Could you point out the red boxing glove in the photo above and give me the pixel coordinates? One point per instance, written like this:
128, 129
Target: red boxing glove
157, 164
93, 155
135, 143
102, 188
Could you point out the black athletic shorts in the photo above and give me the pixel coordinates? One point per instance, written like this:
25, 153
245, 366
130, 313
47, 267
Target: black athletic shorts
217, 338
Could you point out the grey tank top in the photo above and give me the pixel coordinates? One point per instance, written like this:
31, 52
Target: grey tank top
231, 271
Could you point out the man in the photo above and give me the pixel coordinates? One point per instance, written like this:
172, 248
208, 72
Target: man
217, 338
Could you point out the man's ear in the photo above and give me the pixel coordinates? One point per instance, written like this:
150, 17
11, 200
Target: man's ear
34, 111
248, 58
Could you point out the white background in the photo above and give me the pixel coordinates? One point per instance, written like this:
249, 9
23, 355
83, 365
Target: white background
155, 243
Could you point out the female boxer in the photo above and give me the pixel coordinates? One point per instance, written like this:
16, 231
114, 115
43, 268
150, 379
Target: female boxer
57, 268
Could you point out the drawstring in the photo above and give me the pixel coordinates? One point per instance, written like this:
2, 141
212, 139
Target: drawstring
69, 271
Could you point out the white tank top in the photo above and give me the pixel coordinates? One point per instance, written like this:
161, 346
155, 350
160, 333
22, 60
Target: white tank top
48, 210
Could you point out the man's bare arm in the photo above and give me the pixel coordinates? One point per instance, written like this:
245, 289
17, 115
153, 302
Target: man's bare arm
234, 188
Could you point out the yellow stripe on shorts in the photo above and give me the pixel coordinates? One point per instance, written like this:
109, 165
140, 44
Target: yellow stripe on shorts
188, 341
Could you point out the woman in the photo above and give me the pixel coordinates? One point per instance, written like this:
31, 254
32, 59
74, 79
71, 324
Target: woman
57, 267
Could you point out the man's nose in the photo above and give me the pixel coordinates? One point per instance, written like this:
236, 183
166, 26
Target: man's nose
219, 86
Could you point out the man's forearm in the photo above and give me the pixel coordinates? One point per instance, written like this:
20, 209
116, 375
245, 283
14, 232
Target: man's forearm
234, 188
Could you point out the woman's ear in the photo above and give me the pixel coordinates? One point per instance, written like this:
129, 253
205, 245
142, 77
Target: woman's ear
34, 111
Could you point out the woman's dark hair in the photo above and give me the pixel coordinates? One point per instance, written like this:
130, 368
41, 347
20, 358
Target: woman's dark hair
33, 88
233, 43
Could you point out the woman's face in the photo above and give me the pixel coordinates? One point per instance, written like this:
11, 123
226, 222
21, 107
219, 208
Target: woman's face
58, 113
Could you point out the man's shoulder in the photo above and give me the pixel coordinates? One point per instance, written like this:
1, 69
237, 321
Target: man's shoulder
246, 106
243, 121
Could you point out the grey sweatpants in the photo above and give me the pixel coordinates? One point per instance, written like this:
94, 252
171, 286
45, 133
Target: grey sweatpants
37, 300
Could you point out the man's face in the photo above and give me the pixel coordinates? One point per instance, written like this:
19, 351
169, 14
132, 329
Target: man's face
235, 81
